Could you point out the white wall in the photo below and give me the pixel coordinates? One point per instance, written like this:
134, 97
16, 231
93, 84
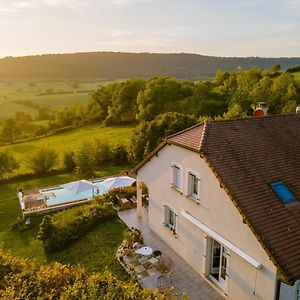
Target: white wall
215, 211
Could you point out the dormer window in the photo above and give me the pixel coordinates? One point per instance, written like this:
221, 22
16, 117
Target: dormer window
176, 176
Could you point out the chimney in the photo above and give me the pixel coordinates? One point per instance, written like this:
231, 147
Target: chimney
261, 110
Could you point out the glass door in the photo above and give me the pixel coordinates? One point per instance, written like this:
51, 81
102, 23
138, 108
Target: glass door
218, 264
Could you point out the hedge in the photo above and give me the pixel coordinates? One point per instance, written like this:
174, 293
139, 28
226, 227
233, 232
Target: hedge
71, 224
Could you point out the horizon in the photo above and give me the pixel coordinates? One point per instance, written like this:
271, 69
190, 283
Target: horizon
144, 52
241, 28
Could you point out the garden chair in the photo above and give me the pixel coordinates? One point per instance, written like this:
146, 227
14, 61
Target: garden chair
164, 285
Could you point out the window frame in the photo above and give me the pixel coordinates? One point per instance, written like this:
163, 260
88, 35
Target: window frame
176, 178
277, 193
170, 215
191, 178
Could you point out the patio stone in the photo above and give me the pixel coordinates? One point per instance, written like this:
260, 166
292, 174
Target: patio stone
185, 278
139, 269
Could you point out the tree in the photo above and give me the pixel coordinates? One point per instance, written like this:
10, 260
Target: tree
85, 161
8, 163
42, 160
149, 134
68, 161
9, 130
276, 68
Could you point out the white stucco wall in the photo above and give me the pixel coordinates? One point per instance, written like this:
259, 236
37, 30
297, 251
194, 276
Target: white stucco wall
217, 212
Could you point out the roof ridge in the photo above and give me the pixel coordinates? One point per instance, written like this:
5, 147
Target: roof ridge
203, 135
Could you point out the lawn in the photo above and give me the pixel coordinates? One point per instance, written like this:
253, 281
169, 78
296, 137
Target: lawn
70, 140
102, 242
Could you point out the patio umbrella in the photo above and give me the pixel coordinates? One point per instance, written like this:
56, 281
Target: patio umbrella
80, 186
122, 181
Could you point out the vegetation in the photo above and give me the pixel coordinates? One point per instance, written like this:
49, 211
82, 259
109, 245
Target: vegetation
148, 135
42, 160
70, 225
21, 279
22, 242
69, 141
111, 65
8, 163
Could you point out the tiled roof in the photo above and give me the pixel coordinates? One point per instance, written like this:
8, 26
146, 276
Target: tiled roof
189, 138
247, 155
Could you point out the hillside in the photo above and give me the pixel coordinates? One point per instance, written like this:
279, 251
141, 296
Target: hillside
69, 141
112, 65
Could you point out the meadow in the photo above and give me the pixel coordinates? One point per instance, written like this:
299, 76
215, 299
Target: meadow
103, 240
70, 140
44, 94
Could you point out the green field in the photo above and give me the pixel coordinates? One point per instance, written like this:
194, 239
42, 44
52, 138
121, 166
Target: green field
71, 140
103, 241
20, 91
297, 76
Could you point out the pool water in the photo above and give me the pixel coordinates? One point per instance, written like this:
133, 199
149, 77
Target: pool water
57, 196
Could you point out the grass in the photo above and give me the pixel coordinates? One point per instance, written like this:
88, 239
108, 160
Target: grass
18, 91
71, 140
297, 76
102, 242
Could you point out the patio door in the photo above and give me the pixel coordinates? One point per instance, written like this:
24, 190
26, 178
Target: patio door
218, 264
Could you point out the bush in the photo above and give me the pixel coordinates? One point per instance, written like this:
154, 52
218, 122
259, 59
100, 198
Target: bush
8, 163
85, 161
119, 154
69, 225
22, 279
68, 161
42, 160
112, 195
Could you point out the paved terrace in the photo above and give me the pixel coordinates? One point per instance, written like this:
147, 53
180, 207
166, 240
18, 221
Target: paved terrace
184, 278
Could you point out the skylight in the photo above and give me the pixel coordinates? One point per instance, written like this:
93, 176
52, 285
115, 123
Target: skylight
283, 192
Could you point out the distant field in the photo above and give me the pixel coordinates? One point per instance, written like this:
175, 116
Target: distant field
70, 141
78, 92
297, 76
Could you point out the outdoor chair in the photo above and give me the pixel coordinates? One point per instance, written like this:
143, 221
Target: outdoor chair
164, 285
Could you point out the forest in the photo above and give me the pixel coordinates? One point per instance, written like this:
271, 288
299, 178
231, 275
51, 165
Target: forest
114, 65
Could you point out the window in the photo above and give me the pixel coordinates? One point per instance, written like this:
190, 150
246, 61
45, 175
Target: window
170, 218
283, 192
176, 177
193, 185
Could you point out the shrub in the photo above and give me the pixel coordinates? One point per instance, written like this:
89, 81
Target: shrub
85, 161
42, 160
69, 225
120, 154
8, 163
68, 161
22, 279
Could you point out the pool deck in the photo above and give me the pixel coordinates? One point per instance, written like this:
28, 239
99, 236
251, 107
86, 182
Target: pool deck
32, 202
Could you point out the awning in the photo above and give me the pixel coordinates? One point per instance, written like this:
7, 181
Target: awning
221, 240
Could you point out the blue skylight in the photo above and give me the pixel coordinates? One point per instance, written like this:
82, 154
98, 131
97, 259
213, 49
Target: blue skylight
283, 192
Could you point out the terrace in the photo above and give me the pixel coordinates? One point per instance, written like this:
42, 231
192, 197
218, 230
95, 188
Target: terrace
184, 278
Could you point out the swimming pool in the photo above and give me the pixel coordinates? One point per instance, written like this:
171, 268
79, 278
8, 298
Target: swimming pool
59, 195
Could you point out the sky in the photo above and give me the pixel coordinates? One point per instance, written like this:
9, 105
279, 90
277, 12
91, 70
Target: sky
269, 28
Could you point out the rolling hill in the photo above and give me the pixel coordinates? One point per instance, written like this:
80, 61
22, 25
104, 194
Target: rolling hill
113, 65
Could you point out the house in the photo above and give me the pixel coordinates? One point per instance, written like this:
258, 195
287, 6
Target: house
225, 195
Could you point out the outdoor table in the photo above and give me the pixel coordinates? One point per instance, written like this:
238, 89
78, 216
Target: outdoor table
146, 251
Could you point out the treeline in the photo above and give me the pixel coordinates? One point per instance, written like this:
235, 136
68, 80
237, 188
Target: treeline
22, 279
112, 65
229, 95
